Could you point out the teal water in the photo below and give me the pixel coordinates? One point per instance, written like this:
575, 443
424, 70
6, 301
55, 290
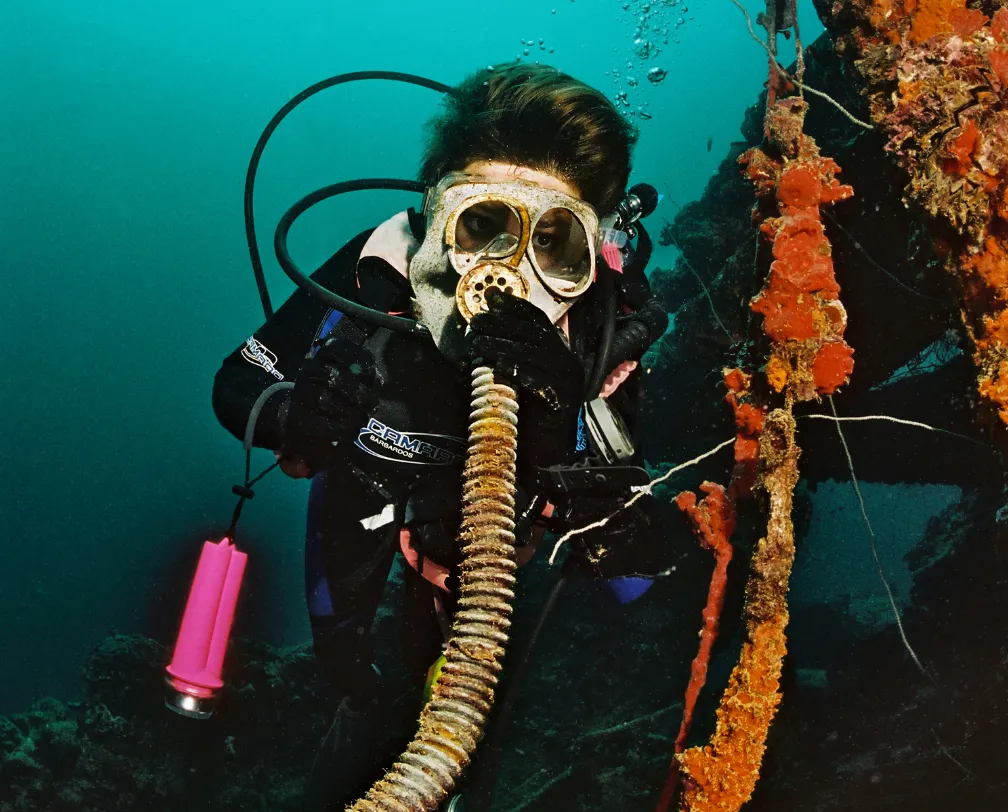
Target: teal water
127, 133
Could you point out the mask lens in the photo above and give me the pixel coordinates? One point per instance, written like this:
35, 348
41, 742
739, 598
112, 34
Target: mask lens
560, 250
490, 228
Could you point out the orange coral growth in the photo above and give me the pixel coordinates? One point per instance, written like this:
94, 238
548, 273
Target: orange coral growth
987, 276
777, 372
932, 17
786, 315
947, 124
961, 149
713, 522
999, 62
832, 366
804, 261
885, 15
987, 271
966, 21
799, 303
799, 187
748, 424
999, 25
995, 332
737, 381
994, 387
721, 776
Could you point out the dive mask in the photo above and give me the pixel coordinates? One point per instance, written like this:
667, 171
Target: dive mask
531, 242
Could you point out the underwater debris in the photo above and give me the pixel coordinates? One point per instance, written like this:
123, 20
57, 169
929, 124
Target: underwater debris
802, 313
805, 321
713, 522
748, 424
722, 774
936, 75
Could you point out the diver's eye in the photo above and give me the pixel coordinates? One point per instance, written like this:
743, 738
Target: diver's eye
543, 240
477, 224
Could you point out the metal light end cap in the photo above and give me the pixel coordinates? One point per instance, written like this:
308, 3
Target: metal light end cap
192, 707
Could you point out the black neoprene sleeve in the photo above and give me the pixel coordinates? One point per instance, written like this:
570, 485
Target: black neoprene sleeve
279, 347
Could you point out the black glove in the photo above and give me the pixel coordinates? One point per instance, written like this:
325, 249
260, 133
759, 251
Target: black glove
527, 350
334, 395
627, 544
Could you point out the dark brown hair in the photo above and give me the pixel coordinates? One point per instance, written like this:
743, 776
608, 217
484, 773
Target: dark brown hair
535, 116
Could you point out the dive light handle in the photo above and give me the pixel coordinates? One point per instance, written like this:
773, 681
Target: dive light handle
609, 479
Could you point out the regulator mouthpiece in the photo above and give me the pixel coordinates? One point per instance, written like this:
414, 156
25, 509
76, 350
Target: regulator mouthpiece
193, 678
470, 293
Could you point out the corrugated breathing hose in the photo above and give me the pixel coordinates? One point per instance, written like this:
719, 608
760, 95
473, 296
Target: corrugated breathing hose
453, 720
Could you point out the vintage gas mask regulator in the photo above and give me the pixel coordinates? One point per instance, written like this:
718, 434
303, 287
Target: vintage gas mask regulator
528, 241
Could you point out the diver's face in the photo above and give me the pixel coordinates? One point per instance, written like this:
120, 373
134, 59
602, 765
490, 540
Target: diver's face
490, 230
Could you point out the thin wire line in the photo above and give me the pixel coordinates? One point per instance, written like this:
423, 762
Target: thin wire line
874, 548
900, 420
878, 267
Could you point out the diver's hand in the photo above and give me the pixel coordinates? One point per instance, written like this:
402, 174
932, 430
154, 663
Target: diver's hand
524, 347
335, 393
625, 545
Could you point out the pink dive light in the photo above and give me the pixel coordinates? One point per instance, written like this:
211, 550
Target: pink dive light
194, 676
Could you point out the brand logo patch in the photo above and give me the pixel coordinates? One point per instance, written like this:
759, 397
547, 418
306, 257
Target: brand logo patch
261, 356
416, 448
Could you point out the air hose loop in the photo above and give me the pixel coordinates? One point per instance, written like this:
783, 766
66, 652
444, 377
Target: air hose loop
454, 718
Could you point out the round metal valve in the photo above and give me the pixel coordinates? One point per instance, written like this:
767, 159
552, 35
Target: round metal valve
470, 294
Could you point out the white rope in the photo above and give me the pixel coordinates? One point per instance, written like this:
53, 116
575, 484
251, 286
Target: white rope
642, 490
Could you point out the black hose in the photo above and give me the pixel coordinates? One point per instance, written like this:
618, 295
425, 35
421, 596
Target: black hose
642, 256
305, 282
332, 81
257, 407
600, 367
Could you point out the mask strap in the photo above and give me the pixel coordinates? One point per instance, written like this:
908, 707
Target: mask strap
417, 224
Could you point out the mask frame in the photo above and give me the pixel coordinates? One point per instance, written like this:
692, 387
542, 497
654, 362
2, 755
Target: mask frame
456, 192
517, 270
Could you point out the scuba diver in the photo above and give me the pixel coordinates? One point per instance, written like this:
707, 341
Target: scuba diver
510, 260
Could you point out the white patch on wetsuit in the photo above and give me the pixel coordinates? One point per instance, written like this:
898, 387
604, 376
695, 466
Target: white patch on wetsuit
262, 356
379, 519
393, 242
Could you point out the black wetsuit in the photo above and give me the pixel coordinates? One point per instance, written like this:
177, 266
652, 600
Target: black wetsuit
403, 470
